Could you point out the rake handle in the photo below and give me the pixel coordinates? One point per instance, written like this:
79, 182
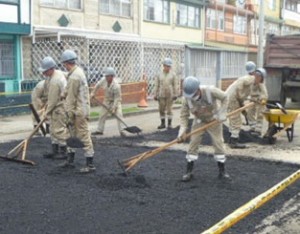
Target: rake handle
130, 163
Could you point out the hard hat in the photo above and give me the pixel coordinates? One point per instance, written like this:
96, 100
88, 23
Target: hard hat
46, 64
167, 62
190, 86
262, 72
68, 55
109, 71
250, 66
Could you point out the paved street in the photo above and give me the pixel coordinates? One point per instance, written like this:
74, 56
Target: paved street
19, 127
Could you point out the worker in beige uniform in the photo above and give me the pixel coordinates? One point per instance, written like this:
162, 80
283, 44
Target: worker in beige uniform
39, 97
259, 95
112, 100
78, 110
55, 110
206, 103
166, 92
237, 93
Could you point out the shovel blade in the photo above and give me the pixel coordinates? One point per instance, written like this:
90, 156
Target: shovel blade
281, 108
74, 142
133, 129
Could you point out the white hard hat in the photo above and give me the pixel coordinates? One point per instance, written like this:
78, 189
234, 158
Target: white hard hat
68, 55
262, 72
109, 71
167, 62
190, 86
46, 64
250, 66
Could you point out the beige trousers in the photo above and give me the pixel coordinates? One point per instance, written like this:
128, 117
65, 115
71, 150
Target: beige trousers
165, 107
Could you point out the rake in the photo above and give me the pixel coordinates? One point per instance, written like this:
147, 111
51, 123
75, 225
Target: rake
129, 163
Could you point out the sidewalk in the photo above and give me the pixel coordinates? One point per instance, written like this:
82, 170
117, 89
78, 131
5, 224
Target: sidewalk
20, 125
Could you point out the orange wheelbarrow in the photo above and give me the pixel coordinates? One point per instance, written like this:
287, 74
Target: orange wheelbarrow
280, 122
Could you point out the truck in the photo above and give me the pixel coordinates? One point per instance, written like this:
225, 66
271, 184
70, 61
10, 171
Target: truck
282, 63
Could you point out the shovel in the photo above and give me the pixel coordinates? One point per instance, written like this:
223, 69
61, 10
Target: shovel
132, 129
277, 105
73, 142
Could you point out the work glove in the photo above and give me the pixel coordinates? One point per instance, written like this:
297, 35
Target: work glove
112, 110
174, 98
181, 135
70, 119
221, 117
263, 102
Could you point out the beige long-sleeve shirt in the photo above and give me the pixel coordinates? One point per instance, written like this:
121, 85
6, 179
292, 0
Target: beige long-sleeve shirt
166, 85
112, 92
77, 94
57, 85
258, 92
39, 94
213, 101
240, 89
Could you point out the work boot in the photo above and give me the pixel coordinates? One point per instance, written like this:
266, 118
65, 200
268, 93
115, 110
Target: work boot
234, 144
188, 176
62, 153
222, 172
69, 163
53, 153
169, 123
48, 128
162, 125
89, 166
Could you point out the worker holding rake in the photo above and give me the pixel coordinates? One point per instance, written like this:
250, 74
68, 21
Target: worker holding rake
39, 97
55, 110
206, 103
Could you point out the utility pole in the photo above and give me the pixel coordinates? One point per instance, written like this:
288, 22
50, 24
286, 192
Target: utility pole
260, 59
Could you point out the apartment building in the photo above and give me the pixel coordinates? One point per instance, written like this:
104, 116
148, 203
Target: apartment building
15, 22
209, 39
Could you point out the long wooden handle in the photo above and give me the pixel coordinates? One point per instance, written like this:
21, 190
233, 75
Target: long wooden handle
143, 156
37, 118
21, 145
106, 108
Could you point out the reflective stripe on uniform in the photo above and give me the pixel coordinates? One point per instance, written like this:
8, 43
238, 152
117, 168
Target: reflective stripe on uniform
191, 157
220, 158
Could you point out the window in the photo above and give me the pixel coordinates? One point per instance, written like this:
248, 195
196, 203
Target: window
7, 59
272, 5
67, 4
239, 24
215, 19
157, 10
116, 7
188, 16
292, 5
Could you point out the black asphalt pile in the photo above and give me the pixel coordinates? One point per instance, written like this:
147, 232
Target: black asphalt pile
151, 199
168, 135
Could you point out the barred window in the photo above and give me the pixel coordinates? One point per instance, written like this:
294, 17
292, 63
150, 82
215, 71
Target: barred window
7, 59
157, 10
116, 7
188, 16
67, 4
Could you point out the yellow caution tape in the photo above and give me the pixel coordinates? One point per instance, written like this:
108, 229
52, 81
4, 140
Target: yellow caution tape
252, 205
